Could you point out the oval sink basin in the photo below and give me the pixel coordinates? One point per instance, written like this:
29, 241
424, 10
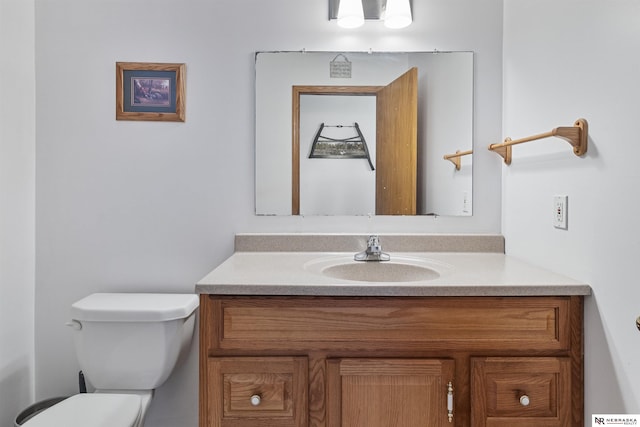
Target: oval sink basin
399, 269
387, 271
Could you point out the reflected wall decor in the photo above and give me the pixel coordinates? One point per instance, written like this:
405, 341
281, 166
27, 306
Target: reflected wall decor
150, 91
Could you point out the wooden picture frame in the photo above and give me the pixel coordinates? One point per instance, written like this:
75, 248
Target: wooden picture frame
150, 91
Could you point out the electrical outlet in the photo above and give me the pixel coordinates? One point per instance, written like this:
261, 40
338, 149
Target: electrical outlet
560, 211
465, 202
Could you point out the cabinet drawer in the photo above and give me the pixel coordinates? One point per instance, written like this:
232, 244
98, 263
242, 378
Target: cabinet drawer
531, 392
419, 324
257, 391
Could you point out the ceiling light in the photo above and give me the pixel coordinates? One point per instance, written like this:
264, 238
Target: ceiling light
350, 13
397, 14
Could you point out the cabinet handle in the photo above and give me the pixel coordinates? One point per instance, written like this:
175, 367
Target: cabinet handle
450, 401
255, 400
524, 400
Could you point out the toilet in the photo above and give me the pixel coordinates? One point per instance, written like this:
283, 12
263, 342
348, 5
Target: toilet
127, 345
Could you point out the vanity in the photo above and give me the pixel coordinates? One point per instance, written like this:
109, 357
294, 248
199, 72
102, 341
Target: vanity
449, 332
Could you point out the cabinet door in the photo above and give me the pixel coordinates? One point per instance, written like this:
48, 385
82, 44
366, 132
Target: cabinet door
521, 392
389, 392
257, 391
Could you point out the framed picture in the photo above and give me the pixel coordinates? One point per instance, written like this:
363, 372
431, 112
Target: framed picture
150, 91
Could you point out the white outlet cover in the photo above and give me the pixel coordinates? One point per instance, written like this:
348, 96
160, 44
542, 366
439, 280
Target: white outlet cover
560, 211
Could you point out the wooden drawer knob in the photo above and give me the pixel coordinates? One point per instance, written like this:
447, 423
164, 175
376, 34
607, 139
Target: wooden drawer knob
255, 400
524, 400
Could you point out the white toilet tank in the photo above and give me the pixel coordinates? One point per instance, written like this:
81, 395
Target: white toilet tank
132, 341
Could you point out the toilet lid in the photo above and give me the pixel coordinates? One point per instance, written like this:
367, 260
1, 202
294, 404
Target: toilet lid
90, 410
123, 307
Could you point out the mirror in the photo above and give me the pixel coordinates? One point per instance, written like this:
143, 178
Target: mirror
307, 97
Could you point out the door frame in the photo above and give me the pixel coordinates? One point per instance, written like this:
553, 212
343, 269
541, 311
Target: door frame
297, 91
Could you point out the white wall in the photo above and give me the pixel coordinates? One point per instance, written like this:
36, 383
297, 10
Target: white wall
337, 186
566, 59
143, 206
448, 128
17, 207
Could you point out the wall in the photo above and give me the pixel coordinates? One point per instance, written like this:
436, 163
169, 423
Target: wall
17, 206
143, 206
337, 186
448, 128
566, 59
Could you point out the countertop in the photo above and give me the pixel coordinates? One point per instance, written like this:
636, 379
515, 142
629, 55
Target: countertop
461, 274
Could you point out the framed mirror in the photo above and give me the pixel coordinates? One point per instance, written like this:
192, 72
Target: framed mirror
342, 103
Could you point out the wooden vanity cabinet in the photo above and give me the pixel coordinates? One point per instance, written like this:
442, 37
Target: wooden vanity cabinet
391, 361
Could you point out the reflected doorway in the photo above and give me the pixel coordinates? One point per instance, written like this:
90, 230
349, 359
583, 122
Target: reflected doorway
395, 142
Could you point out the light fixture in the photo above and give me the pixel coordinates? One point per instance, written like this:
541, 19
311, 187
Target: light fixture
353, 13
397, 14
350, 13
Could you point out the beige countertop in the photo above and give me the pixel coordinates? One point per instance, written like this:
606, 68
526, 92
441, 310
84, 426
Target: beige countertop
460, 274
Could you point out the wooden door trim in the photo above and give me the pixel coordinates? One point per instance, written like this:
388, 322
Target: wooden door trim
295, 131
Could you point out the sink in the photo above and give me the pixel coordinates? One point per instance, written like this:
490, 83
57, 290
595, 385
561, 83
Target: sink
380, 272
398, 269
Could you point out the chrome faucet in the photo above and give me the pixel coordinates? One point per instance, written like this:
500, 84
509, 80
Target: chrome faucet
373, 251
